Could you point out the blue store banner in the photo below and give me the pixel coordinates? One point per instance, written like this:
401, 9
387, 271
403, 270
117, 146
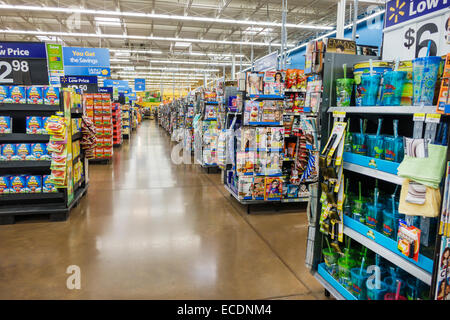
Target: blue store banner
269, 62
132, 96
115, 83
78, 80
86, 61
139, 84
24, 50
398, 11
105, 90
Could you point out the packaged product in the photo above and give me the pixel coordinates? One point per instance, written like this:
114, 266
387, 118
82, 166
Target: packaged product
47, 185
35, 95
34, 184
5, 183
23, 151
51, 95
18, 184
292, 191
33, 125
291, 78
261, 137
258, 188
17, 94
98, 120
4, 94
255, 82
88, 100
39, 152
107, 120
44, 122
98, 100
8, 151
248, 139
108, 152
245, 187
277, 136
5, 124
273, 163
273, 188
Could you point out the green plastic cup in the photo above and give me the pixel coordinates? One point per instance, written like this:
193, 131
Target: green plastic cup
345, 266
344, 89
330, 258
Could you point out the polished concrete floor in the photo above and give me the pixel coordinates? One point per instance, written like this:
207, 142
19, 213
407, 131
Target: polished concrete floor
150, 229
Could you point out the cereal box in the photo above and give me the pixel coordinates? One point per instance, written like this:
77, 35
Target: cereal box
8, 151
17, 94
48, 186
38, 151
4, 94
23, 151
18, 184
35, 95
5, 124
34, 125
51, 95
44, 121
34, 184
5, 182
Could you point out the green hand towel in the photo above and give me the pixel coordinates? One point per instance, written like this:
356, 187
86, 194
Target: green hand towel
427, 171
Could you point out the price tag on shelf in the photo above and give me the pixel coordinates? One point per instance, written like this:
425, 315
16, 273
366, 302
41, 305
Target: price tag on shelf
339, 114
419, 116
433, 118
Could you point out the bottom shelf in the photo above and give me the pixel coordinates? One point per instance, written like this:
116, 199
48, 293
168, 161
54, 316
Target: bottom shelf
332, 285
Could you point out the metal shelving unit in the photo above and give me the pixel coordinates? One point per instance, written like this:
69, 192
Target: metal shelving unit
392, 178
385, 110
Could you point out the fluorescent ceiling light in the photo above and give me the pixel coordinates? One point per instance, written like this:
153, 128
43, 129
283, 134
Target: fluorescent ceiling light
182, 44
125, 36
167, 69
135, 51
50, 39
257, 30
118, 60
106, 19
207, 63
71, 10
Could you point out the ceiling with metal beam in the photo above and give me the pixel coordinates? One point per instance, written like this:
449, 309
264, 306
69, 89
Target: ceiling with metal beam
196, 34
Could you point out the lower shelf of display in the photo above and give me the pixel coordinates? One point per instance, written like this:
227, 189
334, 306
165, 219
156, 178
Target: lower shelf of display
254, 201
332, 285
385, 176
31, 196
387, 248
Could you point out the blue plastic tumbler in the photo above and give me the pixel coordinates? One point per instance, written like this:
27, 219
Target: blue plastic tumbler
393, 149
369, 89
425, 72
375, 146
393, 82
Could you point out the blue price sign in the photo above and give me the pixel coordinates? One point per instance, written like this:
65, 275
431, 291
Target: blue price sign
84, 83
139, 84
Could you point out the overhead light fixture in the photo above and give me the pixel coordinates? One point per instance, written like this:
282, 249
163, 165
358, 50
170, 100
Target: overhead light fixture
125, 36
126, 51
206, 63
182, 44
161, 16
106, 19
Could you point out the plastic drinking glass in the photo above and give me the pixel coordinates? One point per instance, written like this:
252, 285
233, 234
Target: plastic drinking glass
374, 215
330, 258
358, 280
393, 149
375, 146
412, 291
344, 88
392, 90
359, 143
358, 211
369, 89
390, 223
374, 293
425, 72
344, 267
392, 285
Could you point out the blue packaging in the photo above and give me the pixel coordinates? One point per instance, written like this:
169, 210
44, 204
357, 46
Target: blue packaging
5, 124
17, 94
35, 95
5, 182
38, 151
8, 151
51, 95
22, 151
34, 184
34, 125
48, 186
4, 93
18, 184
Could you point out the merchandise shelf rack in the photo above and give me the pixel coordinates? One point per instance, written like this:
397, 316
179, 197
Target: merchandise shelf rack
386, 109
374, 173
332, 285
23, 137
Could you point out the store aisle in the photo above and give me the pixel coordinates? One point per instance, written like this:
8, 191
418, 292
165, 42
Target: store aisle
150, 229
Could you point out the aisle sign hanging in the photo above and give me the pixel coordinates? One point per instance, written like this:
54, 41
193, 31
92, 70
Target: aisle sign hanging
139, 84
411, 24
269, 62
23, 63
54, 57
86, 61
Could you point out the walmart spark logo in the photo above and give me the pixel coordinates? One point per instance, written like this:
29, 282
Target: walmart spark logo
396, 11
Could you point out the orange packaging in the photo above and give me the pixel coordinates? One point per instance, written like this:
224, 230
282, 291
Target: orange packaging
108, 152
88, 100
98, 99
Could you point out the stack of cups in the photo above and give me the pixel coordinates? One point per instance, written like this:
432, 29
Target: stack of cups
425, 73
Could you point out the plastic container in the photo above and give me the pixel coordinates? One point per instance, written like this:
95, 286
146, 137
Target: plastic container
330, 258
344, 271
374, 216
425, 72
391, 284
391, 94
358, 210
358, 288
390, 224
344, 89
359, 143
369, 89
407, 93
376, 294
375, 146
393, 149
412, 290
379, 67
